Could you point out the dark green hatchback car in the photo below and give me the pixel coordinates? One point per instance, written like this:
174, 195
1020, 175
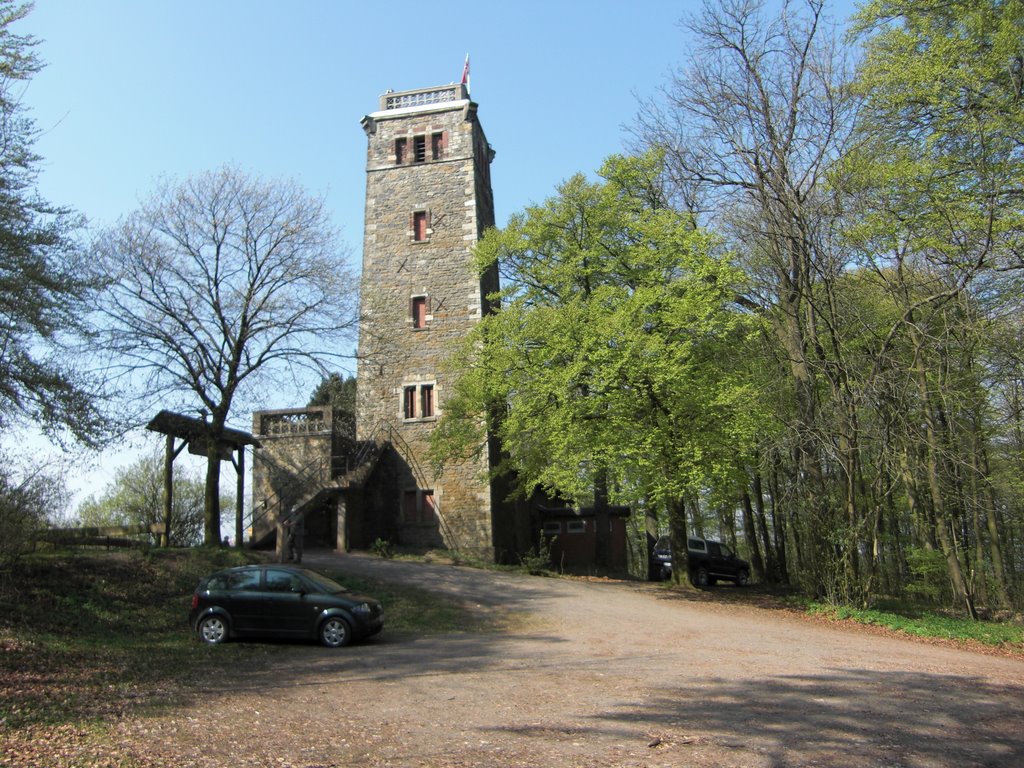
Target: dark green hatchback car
281, 601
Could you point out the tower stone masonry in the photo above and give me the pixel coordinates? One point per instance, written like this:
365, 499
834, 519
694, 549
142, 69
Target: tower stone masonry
428, 201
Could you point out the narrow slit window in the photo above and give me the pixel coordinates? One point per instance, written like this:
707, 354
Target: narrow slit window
426, 401
409, 403
436, 146
419, 226
401, 150
419, 149
419, 312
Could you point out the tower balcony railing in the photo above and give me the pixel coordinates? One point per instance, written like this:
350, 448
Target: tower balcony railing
424, 97
294, 421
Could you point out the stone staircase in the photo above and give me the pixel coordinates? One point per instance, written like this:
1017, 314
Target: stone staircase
309, 489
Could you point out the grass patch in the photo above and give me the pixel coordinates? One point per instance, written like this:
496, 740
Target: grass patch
88, 637
928, 625
413, 610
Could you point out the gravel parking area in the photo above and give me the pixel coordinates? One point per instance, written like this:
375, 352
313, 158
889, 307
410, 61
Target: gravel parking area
600, 673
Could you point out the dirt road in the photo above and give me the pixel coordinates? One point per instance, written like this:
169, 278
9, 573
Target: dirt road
604, 674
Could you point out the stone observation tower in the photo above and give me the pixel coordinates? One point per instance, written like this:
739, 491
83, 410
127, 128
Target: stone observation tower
428, 201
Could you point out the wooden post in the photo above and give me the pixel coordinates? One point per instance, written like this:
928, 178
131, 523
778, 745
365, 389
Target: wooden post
239, 494
165, 539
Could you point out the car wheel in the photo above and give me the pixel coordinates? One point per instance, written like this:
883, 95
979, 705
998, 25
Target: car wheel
742, 579
335, 632
213, 630
702, 579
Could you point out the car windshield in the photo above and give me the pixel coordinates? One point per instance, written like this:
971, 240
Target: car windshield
323, 583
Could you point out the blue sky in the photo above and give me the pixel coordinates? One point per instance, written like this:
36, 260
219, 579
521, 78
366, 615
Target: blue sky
135, 90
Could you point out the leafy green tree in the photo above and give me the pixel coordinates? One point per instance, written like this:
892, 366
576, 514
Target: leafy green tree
607, 365
936, 184
43, 279
135, 497
339, 392
220, 285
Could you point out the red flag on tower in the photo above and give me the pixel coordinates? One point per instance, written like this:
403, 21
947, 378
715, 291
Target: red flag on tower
465, 73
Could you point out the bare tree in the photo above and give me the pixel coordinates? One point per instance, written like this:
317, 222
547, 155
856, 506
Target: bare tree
218, 285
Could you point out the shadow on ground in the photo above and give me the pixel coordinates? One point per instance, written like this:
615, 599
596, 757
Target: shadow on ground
848, 717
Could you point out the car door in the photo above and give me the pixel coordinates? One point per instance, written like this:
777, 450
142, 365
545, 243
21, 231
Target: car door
716, 560
290, 609
243, 599
698, 554
721, 560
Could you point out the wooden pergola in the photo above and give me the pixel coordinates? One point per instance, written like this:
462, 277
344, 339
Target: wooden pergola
195, 434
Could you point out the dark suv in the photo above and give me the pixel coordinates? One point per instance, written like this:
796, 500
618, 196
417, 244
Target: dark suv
709, 561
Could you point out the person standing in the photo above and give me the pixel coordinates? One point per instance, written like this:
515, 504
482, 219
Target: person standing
294, 531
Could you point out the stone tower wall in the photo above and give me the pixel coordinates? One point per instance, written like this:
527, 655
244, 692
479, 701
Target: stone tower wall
423, 216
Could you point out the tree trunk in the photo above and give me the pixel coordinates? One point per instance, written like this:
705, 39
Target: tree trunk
933, 458
677, 537
771, 564
994, 544
212, 494
749, 530
650, 539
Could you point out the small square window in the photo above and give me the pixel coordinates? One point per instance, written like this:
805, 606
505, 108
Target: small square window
552, 528
576, 526
418, 402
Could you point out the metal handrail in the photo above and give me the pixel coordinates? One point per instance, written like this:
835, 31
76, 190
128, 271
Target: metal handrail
395, 437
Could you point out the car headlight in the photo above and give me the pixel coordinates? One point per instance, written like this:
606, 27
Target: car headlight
362, 609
